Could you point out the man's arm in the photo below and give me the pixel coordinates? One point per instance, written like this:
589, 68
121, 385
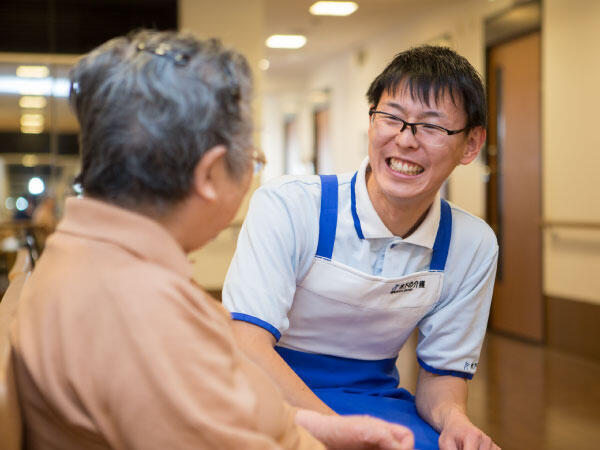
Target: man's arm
442, 401
258, 344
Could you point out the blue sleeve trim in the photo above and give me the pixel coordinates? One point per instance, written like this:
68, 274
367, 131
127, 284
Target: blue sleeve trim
454, 373
256, 321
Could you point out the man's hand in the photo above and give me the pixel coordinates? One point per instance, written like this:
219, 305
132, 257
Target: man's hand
459, 433
355, 432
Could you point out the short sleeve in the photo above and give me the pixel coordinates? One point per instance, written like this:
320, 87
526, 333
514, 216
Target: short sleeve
274, 249
451, 335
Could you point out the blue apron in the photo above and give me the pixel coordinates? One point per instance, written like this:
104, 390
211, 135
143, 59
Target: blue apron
347, 327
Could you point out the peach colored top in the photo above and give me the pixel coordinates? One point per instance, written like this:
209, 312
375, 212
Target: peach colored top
115, 347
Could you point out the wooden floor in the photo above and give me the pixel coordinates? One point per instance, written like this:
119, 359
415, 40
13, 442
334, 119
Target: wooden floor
527, 396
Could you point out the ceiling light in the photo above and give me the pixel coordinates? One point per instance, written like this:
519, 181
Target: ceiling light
32, 120
264, 64
36, 186
21, 203
31, 129
32, 102
333, 8
32, 71
286, 41
57, 87
32, 123
29, 160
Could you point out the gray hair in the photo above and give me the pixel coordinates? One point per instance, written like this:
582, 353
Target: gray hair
150, 105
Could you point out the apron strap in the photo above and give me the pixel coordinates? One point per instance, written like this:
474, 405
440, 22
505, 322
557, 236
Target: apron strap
442, 239
328, 215
357, 226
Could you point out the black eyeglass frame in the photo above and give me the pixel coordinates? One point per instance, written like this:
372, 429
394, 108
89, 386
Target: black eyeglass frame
413, 126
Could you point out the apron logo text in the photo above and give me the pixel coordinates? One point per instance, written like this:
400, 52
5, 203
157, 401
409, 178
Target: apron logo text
407, 287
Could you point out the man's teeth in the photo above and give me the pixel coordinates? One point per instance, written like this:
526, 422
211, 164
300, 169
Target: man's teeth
405, 167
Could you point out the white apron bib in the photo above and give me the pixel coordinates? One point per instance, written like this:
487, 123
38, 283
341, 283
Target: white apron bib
340, 311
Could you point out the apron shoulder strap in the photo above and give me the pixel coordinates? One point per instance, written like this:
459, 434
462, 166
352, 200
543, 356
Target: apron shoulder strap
328, 215
357, 226
442, 239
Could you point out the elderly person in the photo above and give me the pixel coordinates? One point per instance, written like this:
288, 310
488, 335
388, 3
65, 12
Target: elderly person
114, 345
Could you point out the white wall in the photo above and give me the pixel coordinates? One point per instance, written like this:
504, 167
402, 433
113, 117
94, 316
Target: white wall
571, 146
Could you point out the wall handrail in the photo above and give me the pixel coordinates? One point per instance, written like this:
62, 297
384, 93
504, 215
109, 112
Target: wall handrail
571, 224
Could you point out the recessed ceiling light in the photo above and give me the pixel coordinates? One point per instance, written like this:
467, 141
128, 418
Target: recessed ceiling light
36, 186
32, 102
30, 160
264, 64
26, 129
32, 120
333, 8
286, 41
32, 71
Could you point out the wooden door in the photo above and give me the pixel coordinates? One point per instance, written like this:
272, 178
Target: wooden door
321, 142
514, 186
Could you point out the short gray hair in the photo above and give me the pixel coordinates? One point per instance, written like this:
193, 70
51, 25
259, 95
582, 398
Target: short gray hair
150, 105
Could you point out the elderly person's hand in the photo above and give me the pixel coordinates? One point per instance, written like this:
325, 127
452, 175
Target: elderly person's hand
355, 432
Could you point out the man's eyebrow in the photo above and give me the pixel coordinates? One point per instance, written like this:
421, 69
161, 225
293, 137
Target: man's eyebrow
424, 114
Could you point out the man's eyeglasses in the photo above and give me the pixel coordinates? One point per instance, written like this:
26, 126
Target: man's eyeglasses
427, 133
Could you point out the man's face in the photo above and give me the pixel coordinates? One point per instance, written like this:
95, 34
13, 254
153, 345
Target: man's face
405, 170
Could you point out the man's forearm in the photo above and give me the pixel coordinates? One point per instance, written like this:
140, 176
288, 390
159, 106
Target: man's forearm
439, 395
258, 344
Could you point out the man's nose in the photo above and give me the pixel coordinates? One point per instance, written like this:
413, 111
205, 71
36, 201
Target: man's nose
406, 137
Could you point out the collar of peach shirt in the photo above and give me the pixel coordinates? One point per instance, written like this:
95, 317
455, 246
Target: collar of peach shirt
138, 234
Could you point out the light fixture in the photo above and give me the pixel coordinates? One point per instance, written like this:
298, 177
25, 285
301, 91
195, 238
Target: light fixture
286, 41
31, 130
32, 71
32, 102
32, 123
264, 64
333, 8
29, 160
9, 203
21, 203
56, 87
32, 120
35, 186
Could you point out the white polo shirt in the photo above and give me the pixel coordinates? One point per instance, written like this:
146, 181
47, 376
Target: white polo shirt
279, 239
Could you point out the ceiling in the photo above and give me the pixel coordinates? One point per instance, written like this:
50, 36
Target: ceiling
330, 35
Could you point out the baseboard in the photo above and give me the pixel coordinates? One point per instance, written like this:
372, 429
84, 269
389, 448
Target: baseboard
573, 326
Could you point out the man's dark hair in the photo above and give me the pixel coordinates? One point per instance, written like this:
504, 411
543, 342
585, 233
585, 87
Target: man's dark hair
149, 106
431, 69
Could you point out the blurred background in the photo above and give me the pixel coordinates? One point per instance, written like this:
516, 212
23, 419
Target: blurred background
535, 182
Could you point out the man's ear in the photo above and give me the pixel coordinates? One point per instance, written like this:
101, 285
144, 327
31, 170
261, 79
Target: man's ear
475, 140
208, 173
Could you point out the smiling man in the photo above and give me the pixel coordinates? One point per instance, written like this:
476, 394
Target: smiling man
333, 273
